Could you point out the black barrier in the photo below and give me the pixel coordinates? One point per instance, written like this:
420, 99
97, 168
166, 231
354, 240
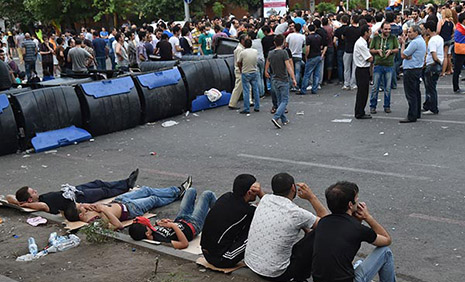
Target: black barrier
197, 58
162, 94
8, 129
45, 109
229, 59
226, 45
204, 75
109, 105
149, 66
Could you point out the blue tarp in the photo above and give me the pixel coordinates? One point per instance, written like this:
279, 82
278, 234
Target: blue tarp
202, 103
108, 87
3, 102
160, 79
57, 138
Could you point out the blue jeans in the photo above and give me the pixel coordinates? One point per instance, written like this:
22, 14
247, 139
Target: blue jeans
298, 63
396, 70
196, 213
30, 67
381, 74
144, 199
112, 59
247, 80
340, 65
431, 76
312, 67
98, 190
281, 89
261, 83
101, 63
381, 262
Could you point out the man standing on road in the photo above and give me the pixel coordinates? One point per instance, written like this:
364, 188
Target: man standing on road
362, 60
247, 64
350, 36
29, 55
273, 249
313, 59
278, 59
459, 49
434, 60
78, 57
46, 51
384, 47
100, 49
295, 41
236, 94
340, 234
175, 43
414, 57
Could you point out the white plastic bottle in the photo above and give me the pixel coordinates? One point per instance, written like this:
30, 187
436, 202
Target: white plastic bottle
32, 246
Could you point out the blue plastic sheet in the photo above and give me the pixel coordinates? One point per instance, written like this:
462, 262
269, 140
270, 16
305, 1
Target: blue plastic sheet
160, 79
57, 138
202, 103
3, 102
105, 88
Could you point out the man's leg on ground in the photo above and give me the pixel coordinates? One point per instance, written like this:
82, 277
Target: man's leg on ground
375, 87
237, 91
187, 204
233, 255
146, 198
306, 77
340, 65
388, 73
317, 72
347, 68
381, 262
458, 63
255, 81
206, 200
363, 84
98, 190
353, 82
246, 91
282, 92
409, 88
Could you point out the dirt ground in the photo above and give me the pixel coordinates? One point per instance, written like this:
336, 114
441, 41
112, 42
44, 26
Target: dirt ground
112, 261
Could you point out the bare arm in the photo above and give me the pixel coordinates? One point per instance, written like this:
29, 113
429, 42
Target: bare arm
267, 66
290, 70
383, 238
435, 57
182, 242
12, 200
305, 192
111, 217
38, 206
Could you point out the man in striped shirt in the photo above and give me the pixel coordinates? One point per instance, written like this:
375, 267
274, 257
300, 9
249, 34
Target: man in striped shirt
226, 227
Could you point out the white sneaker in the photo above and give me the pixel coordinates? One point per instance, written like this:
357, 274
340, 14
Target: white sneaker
345, 87
319, 86
309, 87
354, 88
429, 113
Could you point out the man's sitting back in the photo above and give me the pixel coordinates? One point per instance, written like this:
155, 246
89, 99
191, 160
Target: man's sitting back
339, 236
273, 249
224, 235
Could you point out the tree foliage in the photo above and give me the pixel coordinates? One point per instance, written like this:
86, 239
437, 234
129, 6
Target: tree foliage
15, 12
324, 8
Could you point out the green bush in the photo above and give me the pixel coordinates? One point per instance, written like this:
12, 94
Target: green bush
325, 8
379, 4
218, 9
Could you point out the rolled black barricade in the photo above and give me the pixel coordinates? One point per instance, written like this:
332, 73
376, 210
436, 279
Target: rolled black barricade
226, 45
204, 75
197, 58
45, 109
229, 59
162, 94
8, 129
148, 66
109, 105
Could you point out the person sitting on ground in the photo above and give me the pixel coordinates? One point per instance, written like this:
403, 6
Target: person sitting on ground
178, 232
339, 235
273, 249
128, 205
226, 227
53, 202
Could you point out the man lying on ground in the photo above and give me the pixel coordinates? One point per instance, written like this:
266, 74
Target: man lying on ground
128, 205
226, 228
53, 202
339, 235
178, 232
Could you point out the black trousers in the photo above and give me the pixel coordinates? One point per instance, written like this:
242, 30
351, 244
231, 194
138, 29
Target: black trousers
413, 93
458, 63
230, 257
362, 78
300, 268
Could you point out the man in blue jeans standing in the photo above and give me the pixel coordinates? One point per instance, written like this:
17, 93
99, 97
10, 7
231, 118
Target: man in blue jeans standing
100, 49
247, 64
278, 59
339, 235
313, 47
384, 48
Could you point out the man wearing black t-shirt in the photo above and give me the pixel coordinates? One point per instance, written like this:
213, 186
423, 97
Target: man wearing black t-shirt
339, 235
350, 36
91, 192
164, 48
339, 42
226, 228
314, 44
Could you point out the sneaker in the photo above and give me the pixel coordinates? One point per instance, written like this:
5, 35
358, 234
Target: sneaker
133, 178
256, 110
309, 87
345, 87
275, 122
293, 89
429, 113
387, 110
354, 88
319, 87
184, 186
286, 111
372, 111
286, 122
244, 112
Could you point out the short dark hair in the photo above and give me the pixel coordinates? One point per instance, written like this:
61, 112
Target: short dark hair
317, 23
298, 27
137, 231
345, 19
59, 40
385, 23
242, 184
185, 31
95, 33
281, 184
176, 28
461, 17
390, 17
71, 212
266, 29
279, 40
379, 17
164, 36
431, 25
339, 195
78, 41
356, 18
22, 195
325, 21
364, 29
248, 43
311, 27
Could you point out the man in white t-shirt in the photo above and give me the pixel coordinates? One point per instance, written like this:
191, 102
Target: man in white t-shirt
296, 41
174, 40
273, 249
434, 60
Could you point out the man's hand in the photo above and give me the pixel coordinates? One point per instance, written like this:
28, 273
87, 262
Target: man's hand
304, 191
294, 82
96, 208
267, 75
256, 189
380, 52
388, 53
362, 211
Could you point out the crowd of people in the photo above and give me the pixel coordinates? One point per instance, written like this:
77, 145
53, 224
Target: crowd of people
277, 239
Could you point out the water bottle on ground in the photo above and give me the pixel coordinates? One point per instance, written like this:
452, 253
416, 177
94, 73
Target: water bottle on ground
52, 239
32, 246
67, 242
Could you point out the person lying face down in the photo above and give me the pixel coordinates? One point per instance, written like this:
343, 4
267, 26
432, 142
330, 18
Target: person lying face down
53, 202
128, 205
178, 232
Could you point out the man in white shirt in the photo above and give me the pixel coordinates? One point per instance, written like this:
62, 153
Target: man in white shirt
296, 41
274, 250
362, 60
434, 60
174, 40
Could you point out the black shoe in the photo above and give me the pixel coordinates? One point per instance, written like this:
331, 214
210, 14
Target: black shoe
286, 111
184, 186
373, 111
406, 121
275, 122
364, 117
133, 178
256, 110
233, 108
244, 112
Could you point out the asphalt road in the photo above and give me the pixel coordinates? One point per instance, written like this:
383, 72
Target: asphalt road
410, 175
